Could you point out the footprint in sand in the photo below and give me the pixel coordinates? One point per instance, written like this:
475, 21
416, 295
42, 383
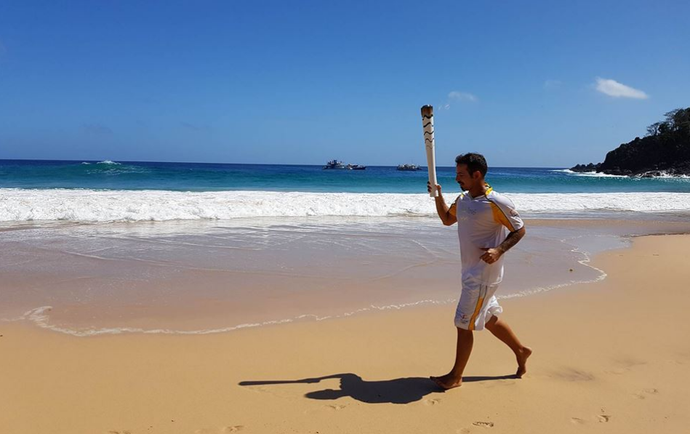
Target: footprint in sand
484, 424
572, 374
683, 356
498, 384
625, 365
577, 421
223, 430
431, 402
646, 392
328, 408
603, 418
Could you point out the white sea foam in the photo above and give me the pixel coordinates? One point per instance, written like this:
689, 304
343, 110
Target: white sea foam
611, 202
24, 205
104, 162
665, 175
656, 175
589, 174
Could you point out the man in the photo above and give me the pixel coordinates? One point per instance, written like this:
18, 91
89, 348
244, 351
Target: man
488, 226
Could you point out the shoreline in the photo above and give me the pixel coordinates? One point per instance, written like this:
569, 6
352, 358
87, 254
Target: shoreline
605, 353
46, 206
212, 317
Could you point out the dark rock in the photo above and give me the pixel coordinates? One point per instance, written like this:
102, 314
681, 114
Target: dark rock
591, 167
666, 150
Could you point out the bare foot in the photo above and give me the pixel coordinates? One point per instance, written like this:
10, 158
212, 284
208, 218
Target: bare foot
522, 357
447, 381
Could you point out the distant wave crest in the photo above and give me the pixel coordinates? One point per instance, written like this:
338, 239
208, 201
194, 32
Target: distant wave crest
24, 205
101, 168
657, 174
107, 162
590, 174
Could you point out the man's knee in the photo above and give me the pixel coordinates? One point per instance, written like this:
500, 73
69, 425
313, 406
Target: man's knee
491, 323
464, 332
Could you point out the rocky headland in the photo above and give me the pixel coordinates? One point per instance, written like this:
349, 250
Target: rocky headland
664, 151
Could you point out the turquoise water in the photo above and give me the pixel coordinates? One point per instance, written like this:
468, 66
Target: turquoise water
244, 177
206, 248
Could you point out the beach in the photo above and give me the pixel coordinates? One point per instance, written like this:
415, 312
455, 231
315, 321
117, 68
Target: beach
129, 305
230, 219
608, 357
198, 278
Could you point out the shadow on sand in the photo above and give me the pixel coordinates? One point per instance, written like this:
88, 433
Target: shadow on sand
396, 391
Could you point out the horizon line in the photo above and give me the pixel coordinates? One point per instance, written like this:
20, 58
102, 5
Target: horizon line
247, 164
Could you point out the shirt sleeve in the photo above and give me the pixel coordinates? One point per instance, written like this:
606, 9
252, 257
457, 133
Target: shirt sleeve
505, 213
453, 210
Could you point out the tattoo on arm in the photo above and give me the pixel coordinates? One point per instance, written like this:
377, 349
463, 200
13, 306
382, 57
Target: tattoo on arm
512, 239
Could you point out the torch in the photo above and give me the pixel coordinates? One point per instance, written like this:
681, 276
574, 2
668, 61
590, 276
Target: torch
428, 124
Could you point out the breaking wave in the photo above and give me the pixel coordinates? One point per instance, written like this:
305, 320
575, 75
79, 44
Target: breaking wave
74, 205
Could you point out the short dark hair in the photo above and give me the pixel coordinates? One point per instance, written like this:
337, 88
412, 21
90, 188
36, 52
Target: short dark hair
474, 162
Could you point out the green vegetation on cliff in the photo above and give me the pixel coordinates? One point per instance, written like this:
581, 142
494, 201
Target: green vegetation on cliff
664, 150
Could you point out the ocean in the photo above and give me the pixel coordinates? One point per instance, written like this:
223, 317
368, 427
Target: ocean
107, 191
102, 247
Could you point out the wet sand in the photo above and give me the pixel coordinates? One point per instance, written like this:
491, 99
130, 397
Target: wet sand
220, 276
610, 356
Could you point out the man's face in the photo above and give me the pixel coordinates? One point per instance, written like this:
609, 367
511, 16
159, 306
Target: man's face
463, 177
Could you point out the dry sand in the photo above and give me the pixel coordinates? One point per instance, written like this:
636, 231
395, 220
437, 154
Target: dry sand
611, 357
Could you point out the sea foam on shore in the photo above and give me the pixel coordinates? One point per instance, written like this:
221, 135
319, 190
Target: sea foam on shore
27, 205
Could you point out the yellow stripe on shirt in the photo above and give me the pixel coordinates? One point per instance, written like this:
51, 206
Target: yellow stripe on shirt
453, 210
501, 217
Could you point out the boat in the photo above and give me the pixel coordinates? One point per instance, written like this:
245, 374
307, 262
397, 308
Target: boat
335, 164
408, 167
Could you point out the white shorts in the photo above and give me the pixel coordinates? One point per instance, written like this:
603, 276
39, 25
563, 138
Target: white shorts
476, 306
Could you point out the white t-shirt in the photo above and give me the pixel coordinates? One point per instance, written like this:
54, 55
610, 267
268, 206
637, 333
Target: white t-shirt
483, 222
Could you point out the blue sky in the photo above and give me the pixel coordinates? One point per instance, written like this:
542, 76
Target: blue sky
536, 83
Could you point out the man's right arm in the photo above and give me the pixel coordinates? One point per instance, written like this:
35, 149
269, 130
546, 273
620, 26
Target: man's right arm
442, 209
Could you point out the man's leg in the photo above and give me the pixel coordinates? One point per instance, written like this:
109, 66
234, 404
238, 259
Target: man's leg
462, 355
503, 332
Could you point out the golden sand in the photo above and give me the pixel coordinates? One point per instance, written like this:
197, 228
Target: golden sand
612, 356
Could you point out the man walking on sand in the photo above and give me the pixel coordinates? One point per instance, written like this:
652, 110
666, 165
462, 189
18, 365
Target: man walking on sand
488, 226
